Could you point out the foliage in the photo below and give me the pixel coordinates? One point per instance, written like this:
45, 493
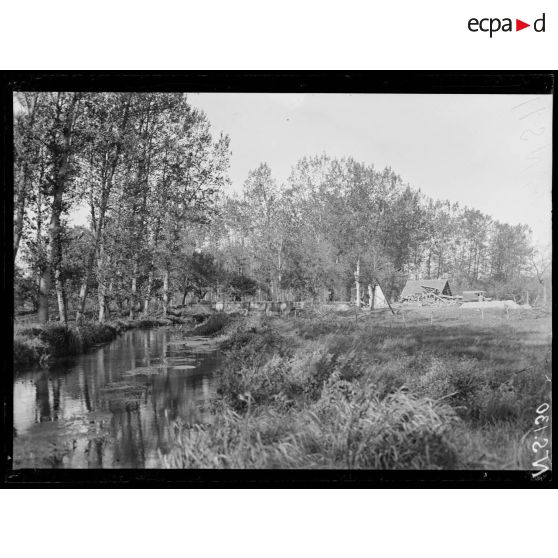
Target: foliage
148, 169
333, 217
25, 290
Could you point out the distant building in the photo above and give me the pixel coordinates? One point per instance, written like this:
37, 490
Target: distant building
438, 286
474, 296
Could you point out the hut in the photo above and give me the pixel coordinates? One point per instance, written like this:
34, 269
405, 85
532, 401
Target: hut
416, 288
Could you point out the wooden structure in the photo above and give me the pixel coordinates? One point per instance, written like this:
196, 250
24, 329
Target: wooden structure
439, 286
428, 291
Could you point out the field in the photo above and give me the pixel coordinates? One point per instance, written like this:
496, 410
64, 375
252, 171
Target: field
418, 390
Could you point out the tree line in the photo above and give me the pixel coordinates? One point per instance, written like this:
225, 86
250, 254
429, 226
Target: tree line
339, 225
162, 229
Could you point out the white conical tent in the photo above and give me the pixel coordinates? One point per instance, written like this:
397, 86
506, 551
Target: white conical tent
379, 298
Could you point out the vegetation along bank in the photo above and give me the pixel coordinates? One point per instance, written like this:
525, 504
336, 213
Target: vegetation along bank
332, 393
37, 343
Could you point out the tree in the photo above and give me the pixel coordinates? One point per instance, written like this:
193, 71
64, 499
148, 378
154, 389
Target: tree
264, 209
27, 157
55, 120
541, 262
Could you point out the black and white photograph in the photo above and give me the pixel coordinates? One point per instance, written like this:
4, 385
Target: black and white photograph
320, 279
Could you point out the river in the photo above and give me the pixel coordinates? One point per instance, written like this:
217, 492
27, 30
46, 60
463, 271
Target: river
113, 407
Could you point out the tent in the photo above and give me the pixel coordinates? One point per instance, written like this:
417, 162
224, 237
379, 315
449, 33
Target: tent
377, 297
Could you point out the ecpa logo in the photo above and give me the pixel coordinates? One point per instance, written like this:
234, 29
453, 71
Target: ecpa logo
494, 24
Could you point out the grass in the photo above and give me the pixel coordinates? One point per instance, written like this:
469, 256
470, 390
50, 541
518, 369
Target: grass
331, 393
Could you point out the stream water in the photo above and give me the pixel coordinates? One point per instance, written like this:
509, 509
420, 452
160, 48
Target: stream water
113, 407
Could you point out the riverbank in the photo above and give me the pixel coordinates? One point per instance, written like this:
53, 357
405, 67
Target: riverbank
332, 393
37, 343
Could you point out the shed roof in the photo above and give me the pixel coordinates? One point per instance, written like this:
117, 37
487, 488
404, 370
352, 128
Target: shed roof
413, 287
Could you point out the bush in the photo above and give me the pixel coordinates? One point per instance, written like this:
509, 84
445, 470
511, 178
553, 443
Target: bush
214, 324
29, 350
57, 337
36, 343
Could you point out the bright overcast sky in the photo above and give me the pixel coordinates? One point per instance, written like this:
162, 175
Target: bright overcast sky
490, 152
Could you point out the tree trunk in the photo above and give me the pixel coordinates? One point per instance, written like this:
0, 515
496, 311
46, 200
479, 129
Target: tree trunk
165, 291
102, 307
108, 298
19, 214
99, 234
85, 286
18, 225
429, 264
133, 291
120, 303
60, 178
44, 291
61, 296
101, 282
370, 296
55, 251
439, 266
357, 283
148, 293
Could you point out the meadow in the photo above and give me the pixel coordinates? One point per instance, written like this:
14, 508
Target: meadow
418, 390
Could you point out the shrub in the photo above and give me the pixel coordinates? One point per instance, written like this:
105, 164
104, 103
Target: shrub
29, 350
214, 324
56, 336
34, 344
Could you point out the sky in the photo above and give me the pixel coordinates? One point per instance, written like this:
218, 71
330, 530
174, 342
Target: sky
489, 152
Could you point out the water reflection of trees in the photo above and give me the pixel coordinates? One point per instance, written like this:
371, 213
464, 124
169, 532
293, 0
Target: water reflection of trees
42, 397
130, 432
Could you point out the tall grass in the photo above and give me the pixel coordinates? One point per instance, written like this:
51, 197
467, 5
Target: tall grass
329, 393
342, 429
